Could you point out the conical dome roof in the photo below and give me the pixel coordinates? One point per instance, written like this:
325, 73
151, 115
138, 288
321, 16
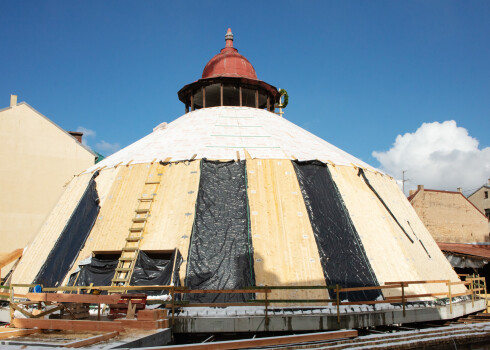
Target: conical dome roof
226, 133
245, 198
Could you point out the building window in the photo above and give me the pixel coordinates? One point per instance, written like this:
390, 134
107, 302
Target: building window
487, 213
486, 194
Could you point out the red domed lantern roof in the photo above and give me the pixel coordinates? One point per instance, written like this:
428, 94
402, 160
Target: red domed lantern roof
229, 63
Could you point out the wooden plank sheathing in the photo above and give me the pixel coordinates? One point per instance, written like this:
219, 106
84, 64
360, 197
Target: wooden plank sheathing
115, 217
285, 250
381, 237
435, 267
39, 248
173, 212
104, 181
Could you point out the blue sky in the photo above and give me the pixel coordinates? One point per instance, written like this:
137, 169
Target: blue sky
358, 73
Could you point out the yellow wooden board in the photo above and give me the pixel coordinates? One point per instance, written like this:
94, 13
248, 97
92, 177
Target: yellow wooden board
117, 211
104, 182
39, 248
389, 251
435, 267
285, 250
172, 217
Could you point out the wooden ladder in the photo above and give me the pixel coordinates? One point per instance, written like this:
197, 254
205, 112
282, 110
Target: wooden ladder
137, 230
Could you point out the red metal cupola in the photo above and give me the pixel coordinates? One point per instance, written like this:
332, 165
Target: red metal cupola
229, 63
229, 79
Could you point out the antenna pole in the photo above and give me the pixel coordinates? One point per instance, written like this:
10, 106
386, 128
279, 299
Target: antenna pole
404, 180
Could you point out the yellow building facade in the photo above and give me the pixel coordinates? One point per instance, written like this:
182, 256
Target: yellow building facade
37, 158
449, 216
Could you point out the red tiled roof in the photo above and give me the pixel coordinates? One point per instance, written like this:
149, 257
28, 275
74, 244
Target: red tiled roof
482, 251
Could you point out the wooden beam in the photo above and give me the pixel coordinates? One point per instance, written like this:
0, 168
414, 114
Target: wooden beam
203, 97
391, 286
372, 302
92, 340
186, 304
110, 288
72, 325
8, 295
221, 93
22, 311
261, 342
152, 315
411, 296
12, 256
75, 298
241, 96
418, 282
18, 333
225, 291
192, 103
257, 98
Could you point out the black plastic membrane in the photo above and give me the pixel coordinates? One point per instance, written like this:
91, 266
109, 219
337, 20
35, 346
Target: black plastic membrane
72, 238
220, 253
342, 254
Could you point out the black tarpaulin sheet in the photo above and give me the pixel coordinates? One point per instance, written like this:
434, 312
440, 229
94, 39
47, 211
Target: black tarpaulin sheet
71, 239
156, 272
147, 272
342, 254
99, 272
220, 253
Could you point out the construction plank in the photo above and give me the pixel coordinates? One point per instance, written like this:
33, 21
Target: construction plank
8, 258
75, 298
225, 291
15, 295
92, 340
18, 333
72, 325
152, 315
261, 342
137, 324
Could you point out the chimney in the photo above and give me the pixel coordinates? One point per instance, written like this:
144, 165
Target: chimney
411, 193
460, 189
13, 100
488, 182
76, 134
420, 187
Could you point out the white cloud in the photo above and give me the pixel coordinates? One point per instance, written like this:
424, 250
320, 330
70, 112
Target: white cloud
103, 147
107, 148
87, 133
439, 156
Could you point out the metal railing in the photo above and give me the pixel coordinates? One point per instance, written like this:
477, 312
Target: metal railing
475, 285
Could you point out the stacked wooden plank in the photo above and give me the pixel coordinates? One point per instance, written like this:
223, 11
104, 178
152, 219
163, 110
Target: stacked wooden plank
76, 306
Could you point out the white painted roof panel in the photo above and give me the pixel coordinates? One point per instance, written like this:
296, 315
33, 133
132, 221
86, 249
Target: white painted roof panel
219, 132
